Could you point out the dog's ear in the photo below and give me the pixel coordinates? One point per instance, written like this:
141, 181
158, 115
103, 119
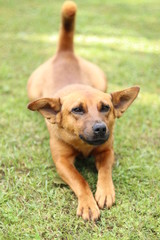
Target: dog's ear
123, 99
48, 107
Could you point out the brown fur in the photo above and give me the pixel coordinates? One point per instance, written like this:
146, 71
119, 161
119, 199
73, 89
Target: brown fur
60, 86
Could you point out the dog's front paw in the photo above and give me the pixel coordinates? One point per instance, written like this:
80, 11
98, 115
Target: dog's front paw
105, 196
88, 209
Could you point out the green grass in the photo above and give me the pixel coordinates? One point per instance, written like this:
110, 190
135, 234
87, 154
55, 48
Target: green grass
123, 38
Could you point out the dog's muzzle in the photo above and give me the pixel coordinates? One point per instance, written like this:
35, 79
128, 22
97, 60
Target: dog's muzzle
100, 134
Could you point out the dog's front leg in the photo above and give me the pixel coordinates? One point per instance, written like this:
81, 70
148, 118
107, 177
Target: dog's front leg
87, 206
105, 194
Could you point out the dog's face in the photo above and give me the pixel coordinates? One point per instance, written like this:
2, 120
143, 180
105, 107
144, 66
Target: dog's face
87, 114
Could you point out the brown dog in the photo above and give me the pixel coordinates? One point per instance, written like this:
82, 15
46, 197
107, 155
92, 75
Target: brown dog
79, 117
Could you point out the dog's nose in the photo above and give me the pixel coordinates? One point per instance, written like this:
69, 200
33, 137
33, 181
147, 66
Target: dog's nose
99, 129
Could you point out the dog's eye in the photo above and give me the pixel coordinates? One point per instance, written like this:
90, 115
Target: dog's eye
105, 108
78, 110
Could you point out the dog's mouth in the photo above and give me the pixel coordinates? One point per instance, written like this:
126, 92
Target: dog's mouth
94, 141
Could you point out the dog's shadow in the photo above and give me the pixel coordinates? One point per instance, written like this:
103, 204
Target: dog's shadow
87, 168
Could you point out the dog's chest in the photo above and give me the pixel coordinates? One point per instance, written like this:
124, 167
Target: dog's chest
82, 148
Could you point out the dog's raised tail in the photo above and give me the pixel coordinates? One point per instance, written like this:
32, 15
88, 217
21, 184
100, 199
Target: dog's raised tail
66, 34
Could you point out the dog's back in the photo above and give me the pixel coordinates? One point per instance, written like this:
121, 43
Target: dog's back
65, 67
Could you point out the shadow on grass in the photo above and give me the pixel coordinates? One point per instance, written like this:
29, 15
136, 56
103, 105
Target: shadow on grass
124, 42
140, 18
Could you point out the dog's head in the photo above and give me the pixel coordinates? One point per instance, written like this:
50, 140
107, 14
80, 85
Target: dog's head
88, 114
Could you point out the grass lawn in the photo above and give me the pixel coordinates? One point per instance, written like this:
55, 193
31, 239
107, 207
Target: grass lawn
123, 38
